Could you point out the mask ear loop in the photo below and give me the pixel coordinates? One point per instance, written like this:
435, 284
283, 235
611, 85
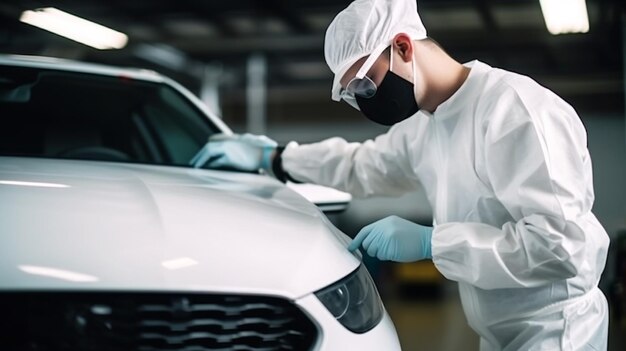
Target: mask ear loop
414, 72
412, 66
391, 58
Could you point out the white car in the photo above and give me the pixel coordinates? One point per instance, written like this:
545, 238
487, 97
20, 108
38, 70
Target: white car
110, 241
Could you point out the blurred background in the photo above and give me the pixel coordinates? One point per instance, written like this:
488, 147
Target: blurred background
259, 64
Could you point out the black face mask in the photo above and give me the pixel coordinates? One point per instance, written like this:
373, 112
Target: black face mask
393, 102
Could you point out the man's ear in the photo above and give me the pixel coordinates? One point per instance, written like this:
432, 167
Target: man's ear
403, 45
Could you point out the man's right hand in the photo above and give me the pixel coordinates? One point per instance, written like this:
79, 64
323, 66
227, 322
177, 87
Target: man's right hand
245, 152
395, 239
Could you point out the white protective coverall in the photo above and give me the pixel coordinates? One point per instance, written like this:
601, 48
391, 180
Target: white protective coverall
505, 167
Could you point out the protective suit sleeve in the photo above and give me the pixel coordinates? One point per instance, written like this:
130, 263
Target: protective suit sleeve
382, 166
539, 169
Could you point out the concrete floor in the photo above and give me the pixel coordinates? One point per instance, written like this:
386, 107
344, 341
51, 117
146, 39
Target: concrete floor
434, 321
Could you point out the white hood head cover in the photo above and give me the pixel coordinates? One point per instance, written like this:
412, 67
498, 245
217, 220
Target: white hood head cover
367, 27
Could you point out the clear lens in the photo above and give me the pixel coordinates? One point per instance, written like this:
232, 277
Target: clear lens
362, 87
365, 87
354, 301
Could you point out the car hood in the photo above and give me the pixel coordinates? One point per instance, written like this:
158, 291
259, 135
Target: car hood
84, 225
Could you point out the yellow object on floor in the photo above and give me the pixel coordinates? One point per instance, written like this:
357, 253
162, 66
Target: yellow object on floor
417, 272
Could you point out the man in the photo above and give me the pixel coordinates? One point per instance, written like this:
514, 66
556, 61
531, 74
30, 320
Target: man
503, 162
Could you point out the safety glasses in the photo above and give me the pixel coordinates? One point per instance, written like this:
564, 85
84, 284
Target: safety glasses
361, 87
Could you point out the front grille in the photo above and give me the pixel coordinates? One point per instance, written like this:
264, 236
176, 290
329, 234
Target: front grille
151, 322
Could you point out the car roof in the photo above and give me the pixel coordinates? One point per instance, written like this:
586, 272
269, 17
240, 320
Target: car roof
61, 64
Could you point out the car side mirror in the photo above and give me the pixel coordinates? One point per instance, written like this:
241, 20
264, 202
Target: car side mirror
329, 200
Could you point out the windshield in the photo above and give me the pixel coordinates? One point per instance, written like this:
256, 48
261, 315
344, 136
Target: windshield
56, 114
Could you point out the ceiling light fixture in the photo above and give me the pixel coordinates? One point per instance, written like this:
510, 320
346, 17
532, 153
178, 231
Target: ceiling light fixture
75, 28
565, 16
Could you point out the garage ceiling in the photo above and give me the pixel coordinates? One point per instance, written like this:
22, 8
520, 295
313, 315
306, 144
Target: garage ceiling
192, 34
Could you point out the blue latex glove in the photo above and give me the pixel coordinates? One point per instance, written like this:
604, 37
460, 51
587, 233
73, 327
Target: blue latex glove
395, 239
245, 152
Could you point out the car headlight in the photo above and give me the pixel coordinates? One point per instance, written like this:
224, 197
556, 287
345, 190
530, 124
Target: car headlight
354, 301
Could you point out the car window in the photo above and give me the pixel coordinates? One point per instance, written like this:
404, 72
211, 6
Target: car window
57, 114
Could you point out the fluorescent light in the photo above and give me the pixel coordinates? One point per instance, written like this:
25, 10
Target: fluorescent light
179, 263
75, 28
35, 184
58, 274
565, 16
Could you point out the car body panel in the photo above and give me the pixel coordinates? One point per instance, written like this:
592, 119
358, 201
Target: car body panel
99, 227
160, 228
